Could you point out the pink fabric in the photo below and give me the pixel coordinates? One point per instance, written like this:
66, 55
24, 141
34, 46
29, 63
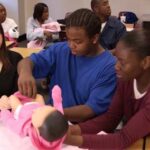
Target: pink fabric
8, 38
53, 27
23, 125
36, 44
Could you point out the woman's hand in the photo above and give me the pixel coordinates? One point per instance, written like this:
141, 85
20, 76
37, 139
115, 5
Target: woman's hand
73, 136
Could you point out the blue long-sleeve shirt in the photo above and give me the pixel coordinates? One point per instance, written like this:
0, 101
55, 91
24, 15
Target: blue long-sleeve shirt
83, 80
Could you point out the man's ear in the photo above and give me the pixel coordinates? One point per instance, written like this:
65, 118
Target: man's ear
95, 38
146, 62
96, 9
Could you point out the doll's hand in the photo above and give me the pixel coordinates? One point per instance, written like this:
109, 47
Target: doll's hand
14, 102
4, 103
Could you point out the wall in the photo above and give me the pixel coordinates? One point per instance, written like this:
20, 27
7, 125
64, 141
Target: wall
21, 10
58, 8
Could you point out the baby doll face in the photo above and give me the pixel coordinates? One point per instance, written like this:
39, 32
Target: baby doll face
40, 114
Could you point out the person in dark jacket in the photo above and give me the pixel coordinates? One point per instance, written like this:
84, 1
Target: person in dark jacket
112, 29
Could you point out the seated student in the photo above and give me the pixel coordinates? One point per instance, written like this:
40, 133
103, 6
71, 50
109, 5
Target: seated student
80, 66
8, 68
35, 32
112, 29
9, 26
45, 125
131, 100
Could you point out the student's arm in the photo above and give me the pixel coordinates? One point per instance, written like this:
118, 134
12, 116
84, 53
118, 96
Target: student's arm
32, 32
38, 65
26, 81
78, 113
137, 127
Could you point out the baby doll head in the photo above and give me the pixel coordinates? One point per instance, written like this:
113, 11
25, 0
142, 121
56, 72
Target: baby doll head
49, 123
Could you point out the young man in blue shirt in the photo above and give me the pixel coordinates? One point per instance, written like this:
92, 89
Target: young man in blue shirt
81, 67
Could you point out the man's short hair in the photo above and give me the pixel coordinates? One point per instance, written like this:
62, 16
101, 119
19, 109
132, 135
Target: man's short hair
86, 19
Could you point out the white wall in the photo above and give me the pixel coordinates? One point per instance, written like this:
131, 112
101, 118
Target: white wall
21, 10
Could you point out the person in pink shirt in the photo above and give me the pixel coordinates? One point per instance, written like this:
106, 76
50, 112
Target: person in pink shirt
44, 124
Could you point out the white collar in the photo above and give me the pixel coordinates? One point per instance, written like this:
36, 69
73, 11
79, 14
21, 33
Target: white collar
137, 94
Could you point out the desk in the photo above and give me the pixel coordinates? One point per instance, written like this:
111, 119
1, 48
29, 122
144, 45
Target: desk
147, 146
138, 145
25, 52
129, 27
9, 43
11, 141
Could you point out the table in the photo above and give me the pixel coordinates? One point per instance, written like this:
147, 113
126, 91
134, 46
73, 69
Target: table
9, 43
25, 52
129, 27
11, 141
138, 145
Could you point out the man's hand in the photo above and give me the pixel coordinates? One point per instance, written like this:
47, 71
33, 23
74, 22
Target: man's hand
27, 85
26, 81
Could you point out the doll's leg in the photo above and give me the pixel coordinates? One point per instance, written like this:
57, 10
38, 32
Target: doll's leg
39, 98
57, 98
4, 102
14, 102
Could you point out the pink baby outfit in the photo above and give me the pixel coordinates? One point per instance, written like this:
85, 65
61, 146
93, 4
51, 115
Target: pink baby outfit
23, 125
53, 27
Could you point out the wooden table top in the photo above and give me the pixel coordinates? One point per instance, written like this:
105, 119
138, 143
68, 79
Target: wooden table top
25, 52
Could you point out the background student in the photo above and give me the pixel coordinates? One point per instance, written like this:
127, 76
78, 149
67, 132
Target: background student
40, 17
112, 29
9, 26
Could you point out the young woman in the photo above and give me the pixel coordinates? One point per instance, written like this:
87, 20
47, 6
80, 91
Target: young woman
40, 16
131, 101
8, 67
